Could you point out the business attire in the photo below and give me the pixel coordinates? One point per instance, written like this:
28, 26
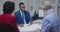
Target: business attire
22, 17
35, 16
9, 20
50, 22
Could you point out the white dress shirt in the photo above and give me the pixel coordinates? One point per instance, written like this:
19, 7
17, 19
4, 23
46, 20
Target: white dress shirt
24, 17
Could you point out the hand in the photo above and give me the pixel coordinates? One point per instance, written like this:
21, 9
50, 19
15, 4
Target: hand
35, 22
21, 25
37, 30
30, 23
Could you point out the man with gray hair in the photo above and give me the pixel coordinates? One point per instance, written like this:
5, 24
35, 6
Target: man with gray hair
50, 22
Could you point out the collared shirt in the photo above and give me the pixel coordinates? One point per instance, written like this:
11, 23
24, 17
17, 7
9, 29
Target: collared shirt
50, 22
49, 12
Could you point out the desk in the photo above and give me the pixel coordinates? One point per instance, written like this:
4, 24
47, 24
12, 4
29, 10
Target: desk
32, 28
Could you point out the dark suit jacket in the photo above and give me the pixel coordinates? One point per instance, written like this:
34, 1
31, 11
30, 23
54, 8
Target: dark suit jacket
9, 19
20, 19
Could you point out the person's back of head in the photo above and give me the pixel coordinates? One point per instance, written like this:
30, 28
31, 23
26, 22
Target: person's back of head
8, 7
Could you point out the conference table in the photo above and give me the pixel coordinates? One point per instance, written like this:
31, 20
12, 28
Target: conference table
32, 28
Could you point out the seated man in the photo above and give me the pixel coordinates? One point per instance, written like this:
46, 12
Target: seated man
50, 21
22, 15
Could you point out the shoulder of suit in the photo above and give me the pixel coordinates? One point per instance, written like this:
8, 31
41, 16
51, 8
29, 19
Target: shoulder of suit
17, 11
27, 11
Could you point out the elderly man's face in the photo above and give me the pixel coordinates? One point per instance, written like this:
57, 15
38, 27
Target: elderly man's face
44, 10
22, 7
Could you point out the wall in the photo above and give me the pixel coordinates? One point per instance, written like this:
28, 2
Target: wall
35, 3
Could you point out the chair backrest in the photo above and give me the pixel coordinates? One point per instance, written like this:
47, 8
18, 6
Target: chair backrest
6, 28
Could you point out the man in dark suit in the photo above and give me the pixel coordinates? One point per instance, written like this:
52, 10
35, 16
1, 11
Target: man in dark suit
7, 18
22, 15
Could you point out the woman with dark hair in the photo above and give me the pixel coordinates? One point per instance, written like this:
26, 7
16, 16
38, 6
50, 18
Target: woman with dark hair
7, 18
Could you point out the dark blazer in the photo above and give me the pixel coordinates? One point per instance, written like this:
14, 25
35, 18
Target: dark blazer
20, 19
10, 20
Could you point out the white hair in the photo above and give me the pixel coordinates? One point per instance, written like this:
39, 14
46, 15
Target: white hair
48, 4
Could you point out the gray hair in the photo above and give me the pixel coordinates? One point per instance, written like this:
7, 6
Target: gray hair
48, 4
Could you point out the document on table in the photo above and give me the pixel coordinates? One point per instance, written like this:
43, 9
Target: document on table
31, 28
